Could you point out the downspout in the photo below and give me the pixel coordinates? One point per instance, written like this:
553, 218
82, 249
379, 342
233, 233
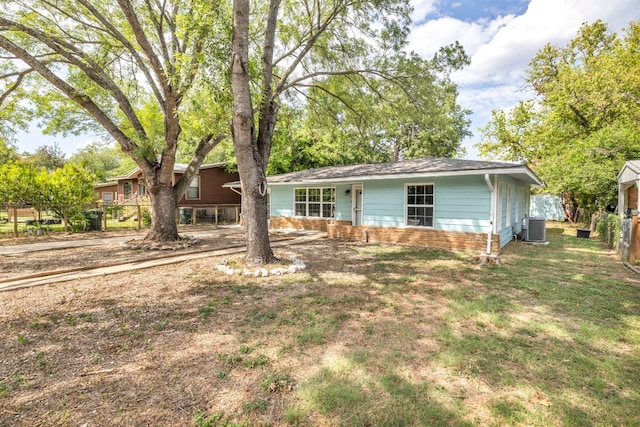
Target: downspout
491, 211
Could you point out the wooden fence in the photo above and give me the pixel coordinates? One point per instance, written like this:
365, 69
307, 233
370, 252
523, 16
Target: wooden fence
16, 220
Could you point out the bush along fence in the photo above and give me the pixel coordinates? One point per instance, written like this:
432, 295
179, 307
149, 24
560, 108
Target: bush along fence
623, 234
20, 220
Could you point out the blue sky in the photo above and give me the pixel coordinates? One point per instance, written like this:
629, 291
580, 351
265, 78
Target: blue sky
500, 36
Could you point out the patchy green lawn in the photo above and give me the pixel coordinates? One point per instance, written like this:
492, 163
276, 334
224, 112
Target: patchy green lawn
367, 335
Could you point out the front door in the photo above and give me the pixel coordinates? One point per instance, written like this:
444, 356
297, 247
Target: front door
356, 191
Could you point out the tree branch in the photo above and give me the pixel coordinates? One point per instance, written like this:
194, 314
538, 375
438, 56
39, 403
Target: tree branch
129, 47
82, 99
90, 67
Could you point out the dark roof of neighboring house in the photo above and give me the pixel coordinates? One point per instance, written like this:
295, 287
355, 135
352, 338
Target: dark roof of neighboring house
429, 166
177, 168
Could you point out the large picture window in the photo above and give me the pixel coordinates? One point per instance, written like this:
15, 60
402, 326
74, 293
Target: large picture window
315, 202
420, 205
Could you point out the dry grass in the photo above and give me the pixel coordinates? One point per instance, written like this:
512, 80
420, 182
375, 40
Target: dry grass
367, 335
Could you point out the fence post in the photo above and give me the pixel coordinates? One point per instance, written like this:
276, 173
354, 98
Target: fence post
104, 216
215, 208
634, 250
139, 217
15, 220
237, 219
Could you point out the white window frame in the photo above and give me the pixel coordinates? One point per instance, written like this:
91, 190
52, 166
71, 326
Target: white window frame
407, 206
321, 204
197, 180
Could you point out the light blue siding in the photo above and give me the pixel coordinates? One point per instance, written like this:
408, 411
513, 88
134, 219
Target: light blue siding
461, 203
514, 206
282, 200
343, 203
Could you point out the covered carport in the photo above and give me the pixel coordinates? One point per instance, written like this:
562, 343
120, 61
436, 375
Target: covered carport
628, 184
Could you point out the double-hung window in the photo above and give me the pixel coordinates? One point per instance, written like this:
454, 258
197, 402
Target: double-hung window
193, 191
419, 199
315, 202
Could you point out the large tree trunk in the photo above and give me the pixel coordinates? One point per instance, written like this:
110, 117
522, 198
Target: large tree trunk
163, 213
254, 207
251, 160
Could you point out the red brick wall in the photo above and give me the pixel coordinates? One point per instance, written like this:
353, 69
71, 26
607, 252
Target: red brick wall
317, 224
423, 237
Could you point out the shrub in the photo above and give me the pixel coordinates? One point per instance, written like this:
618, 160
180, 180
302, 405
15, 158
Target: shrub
145, 216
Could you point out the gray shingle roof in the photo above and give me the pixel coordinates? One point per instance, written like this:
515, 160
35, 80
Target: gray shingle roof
419, 167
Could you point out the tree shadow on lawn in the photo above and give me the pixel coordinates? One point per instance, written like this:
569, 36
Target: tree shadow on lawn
367, 335
546, 331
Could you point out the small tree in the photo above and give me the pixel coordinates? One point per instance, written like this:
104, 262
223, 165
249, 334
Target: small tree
69, 190
64, 191
135, 71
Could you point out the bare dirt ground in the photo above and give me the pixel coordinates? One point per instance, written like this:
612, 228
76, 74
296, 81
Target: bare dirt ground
366, 335
24, 264
161, 346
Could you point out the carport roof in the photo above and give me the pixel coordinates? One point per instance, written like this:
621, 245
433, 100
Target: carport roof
630, 172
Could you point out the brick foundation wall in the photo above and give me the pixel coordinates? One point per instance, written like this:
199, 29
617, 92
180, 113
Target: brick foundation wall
451, 240
317, 224
429, 238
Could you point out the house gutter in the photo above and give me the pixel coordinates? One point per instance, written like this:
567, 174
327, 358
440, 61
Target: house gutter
487, 179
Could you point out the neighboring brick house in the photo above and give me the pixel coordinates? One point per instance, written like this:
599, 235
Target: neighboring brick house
205, 190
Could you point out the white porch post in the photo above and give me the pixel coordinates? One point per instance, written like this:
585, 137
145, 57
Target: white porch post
620, 199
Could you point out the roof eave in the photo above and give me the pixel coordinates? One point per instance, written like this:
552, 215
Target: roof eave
534, 180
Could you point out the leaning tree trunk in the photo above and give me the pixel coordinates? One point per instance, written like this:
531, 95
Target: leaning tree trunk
251, 162
163, 213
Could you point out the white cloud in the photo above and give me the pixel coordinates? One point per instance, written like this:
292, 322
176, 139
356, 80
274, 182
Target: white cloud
512, 47
421, 8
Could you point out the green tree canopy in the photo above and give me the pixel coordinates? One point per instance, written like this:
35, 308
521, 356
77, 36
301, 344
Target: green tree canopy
8, 151
65, 191
104, 161
145, 74
585, 120
49, 157
347, 119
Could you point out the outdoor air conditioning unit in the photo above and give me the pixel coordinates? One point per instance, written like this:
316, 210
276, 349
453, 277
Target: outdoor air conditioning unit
534, 229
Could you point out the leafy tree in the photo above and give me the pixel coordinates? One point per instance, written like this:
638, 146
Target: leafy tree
8, 152
103, 161
68, 190
380, 120
144, 73
49, 157
18, 183
64, 191
301, 46
584, 123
